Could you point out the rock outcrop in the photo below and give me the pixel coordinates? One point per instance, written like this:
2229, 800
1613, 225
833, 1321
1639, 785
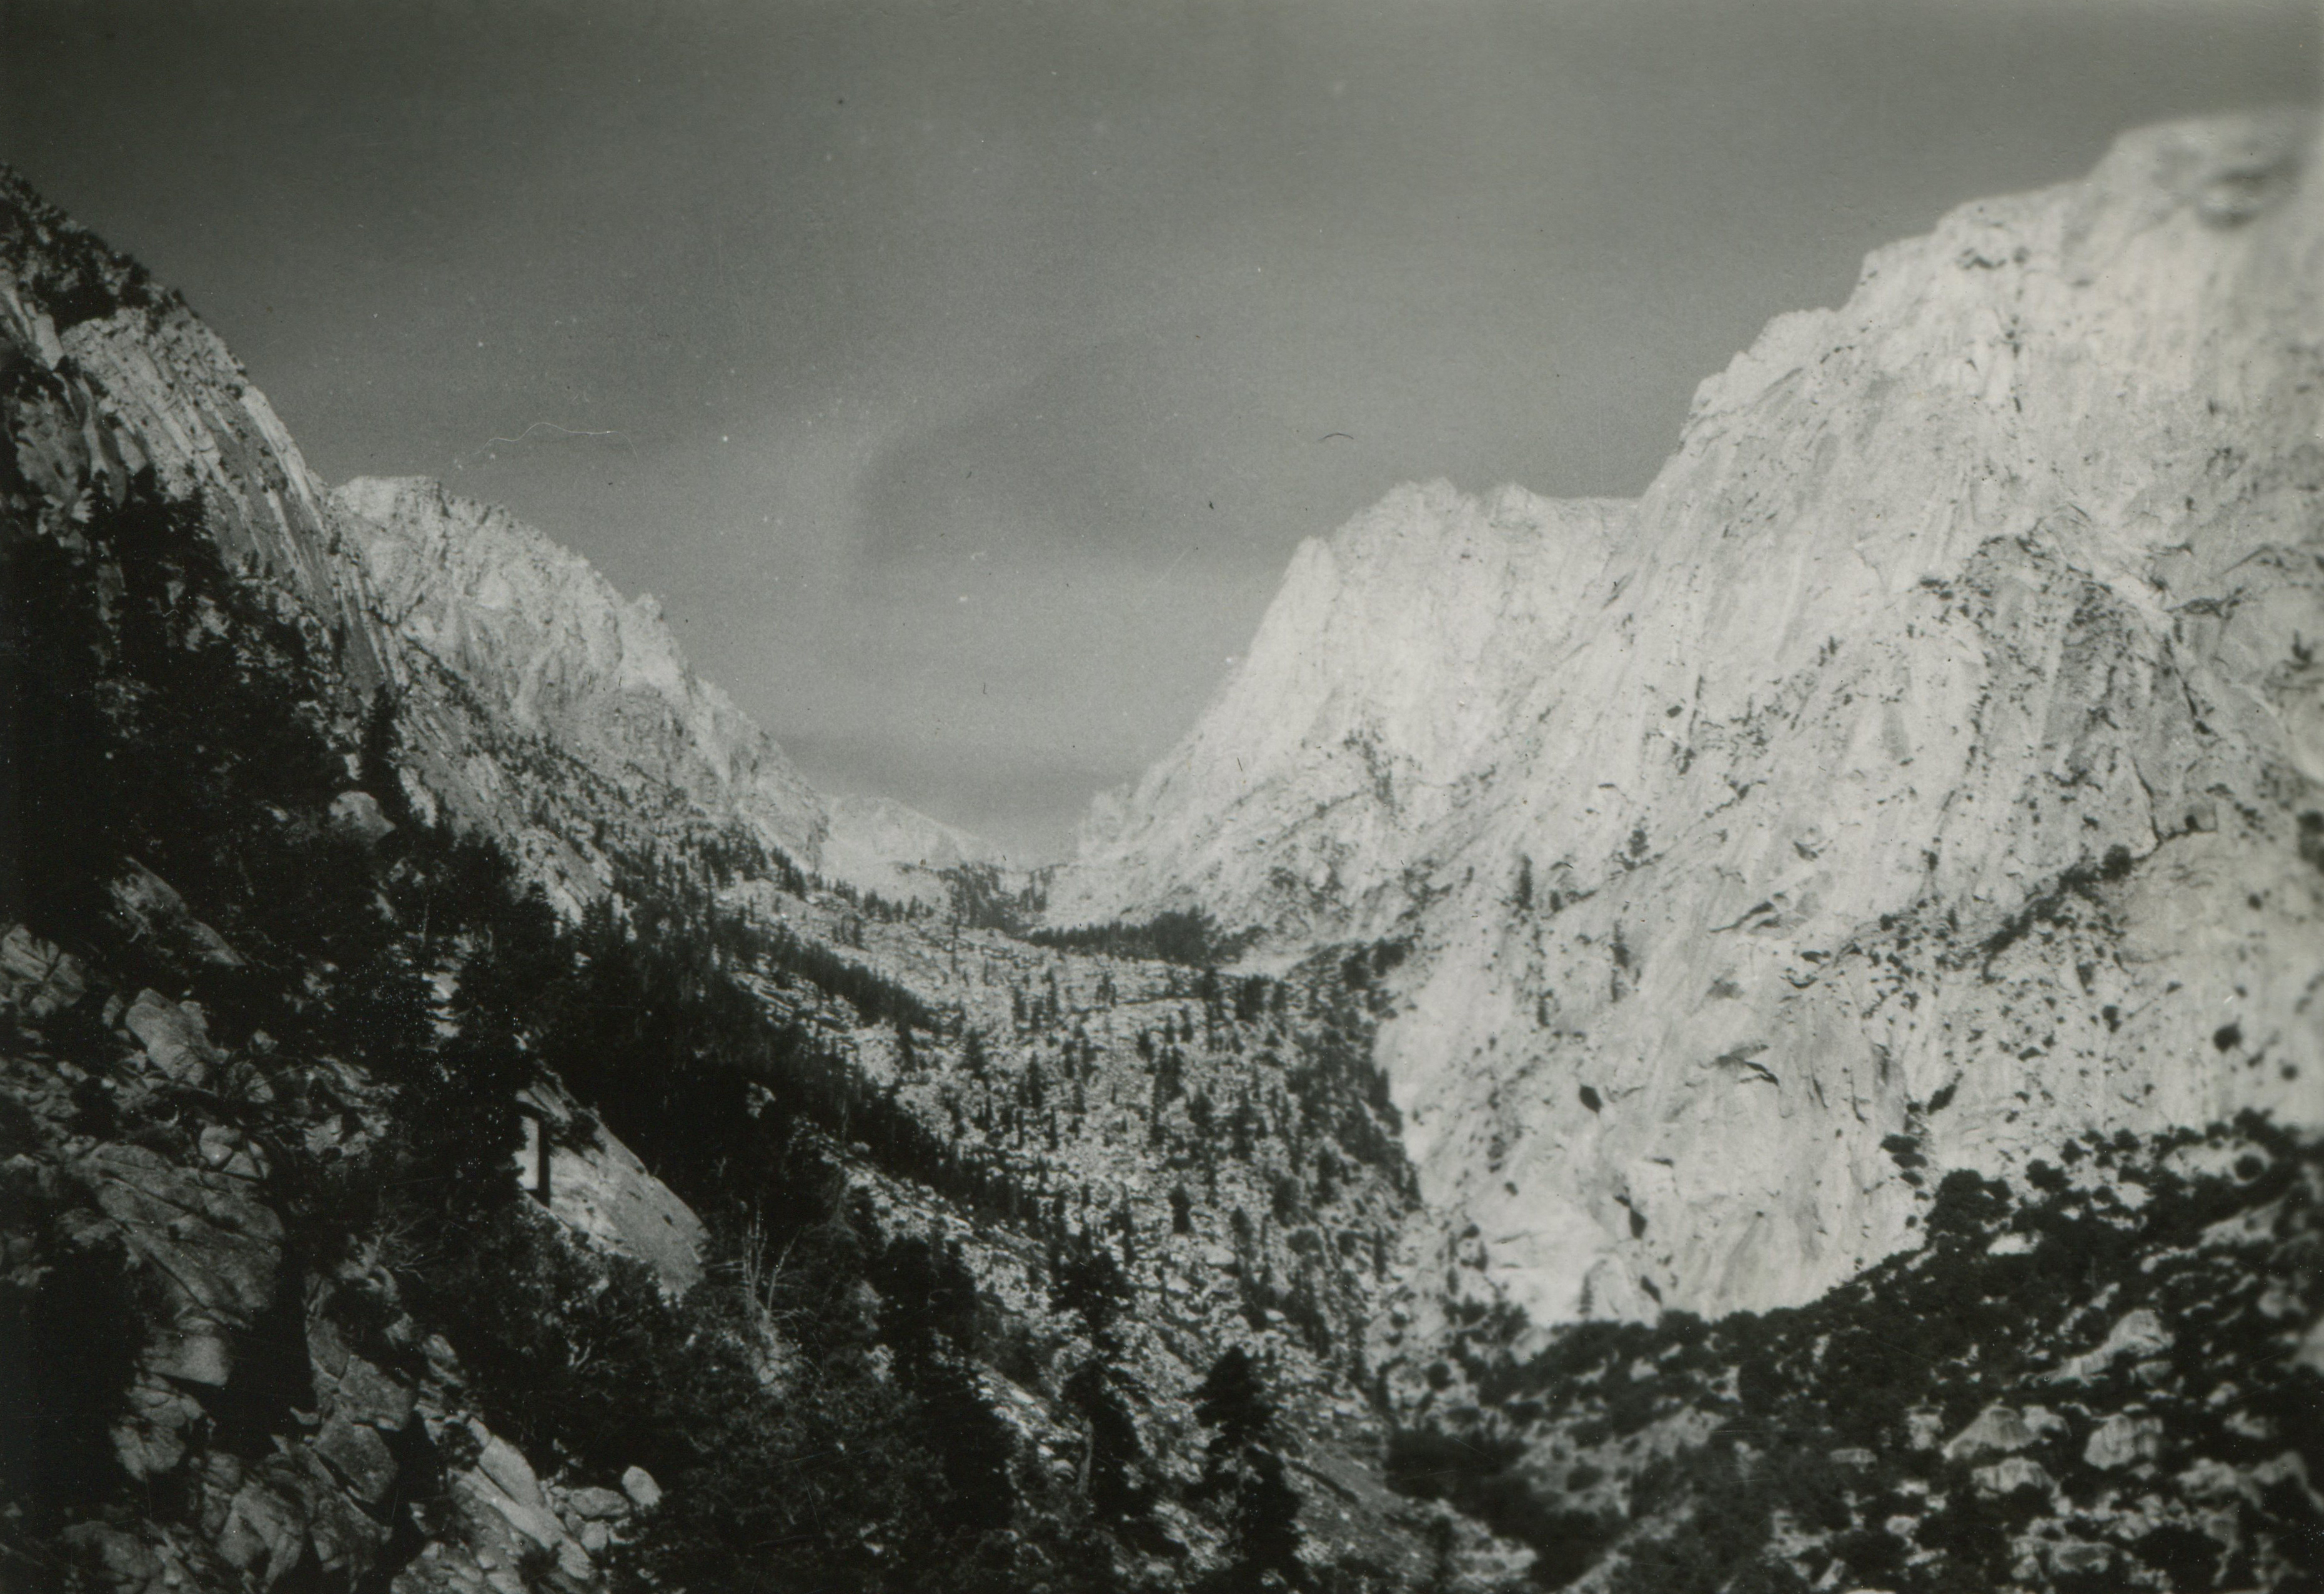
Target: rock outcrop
1374, 710
130, 380
518, 693
596, 1186
1925, 769
293, 1415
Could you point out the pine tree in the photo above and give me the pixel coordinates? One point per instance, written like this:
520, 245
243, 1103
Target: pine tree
1088, 1282
1233, 1402
1232, 1399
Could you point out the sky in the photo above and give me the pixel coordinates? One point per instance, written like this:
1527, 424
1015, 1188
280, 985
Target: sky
962, 374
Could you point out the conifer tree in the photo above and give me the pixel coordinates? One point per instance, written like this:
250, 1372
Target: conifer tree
1242, 1463
1088, 1282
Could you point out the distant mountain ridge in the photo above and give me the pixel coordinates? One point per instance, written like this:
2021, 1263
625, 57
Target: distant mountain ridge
1929, 767
543, 640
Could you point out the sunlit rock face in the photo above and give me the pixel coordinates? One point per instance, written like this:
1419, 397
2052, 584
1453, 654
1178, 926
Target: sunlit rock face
1374, 710
597, 1187
548, 651
1920, 772
549, 647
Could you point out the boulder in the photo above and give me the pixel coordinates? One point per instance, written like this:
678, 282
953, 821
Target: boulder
194, 1349
356, 816
264, 1534
2138, 1335
213, 1249
2287, 1467
345, 1538
509, 1472
2211, 1479
2000, 1430
202, 1231
2310, 1352
150, 1436
36, 976
218, 1478
2072, 1556
2122, 1440
326, 1355
598, 1505
367, 1394
2011, 1473
360, 1457
229, 1150
348, 1386
494, 1515
154, 907
175, 1036
124, 1563
639, 1486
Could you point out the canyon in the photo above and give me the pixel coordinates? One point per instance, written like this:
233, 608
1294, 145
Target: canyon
475, 1116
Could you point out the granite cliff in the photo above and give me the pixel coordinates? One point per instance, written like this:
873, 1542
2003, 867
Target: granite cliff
1924, 770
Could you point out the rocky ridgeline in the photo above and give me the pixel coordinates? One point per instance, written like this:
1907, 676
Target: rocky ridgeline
880, 846
550, 651
1373, 710
1924, 771
518, 692
576, 689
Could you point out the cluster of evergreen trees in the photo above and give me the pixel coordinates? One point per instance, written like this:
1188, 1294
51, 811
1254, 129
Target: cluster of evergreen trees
1188, 938
1811, 1463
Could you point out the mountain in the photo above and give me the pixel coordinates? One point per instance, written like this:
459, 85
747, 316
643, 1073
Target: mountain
547, 646
1371, 711
512, 623
1924, 771
881, 846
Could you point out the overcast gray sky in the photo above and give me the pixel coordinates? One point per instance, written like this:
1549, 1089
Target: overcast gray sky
961, 374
